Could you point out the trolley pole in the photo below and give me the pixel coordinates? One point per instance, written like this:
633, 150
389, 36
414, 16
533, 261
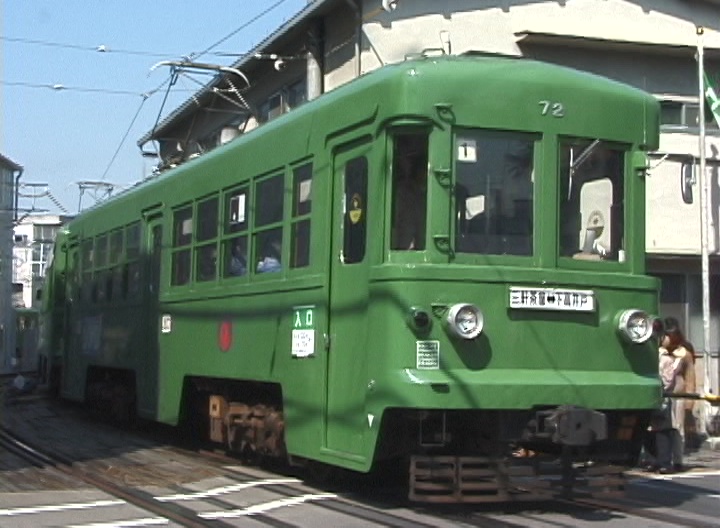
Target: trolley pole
704, 226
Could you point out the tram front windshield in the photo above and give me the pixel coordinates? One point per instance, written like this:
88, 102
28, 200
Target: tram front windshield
591, 223
494, 192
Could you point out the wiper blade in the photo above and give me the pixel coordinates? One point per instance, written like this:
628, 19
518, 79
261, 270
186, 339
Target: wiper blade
584, 155
575, 164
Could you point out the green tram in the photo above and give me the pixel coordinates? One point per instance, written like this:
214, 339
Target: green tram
440, 263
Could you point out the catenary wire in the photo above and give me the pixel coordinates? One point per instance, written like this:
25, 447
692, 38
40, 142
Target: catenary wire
79, 47
122, 141
236, 31
64, 88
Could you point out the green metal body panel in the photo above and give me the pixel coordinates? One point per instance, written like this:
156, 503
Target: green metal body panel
364, 359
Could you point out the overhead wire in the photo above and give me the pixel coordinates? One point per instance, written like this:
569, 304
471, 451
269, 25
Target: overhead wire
95, 49
64, 88
239, 29
122, 141
171, 81
192, 56
145, 97
102, 48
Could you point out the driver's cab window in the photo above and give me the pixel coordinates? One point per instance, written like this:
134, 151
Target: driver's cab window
409, 192
494, 192
591, 201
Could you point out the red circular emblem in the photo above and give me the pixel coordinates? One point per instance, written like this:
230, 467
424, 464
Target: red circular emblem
225, 336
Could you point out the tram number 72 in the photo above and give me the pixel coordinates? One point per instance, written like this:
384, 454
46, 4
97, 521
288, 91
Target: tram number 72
552, 108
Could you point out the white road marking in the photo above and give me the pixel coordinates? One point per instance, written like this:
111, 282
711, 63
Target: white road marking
131, 523
226, 489
59, 507
261, 508
679, 476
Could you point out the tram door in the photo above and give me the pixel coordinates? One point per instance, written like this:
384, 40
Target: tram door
346, 378
148, 379
70, 328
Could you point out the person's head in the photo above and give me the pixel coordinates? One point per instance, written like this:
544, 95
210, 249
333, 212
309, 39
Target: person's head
238, 249
673, 335
273, 249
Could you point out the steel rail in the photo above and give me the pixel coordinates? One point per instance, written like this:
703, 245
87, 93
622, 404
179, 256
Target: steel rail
173, 512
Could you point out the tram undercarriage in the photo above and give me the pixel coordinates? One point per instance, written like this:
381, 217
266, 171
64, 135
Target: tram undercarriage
469, 456
495, 456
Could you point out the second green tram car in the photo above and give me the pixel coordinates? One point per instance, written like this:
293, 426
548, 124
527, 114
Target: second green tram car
439, 263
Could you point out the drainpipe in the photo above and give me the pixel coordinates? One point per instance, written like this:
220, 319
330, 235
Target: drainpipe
17, 194
314, 64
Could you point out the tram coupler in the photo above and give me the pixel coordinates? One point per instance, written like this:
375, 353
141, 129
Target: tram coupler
569, 425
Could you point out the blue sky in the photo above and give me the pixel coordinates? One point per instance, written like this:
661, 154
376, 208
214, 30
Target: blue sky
65, 136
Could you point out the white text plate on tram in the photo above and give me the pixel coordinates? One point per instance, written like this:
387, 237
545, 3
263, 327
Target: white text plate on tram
552, 299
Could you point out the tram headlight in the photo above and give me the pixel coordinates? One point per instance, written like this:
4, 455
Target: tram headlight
635, 325
465, 320
419, 320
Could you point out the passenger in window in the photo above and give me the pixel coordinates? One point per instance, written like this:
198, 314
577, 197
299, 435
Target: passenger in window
409, 193
238, 259
270, 262
208, 263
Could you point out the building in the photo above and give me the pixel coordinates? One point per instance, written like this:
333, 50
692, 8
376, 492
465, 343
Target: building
34, 236
648, 44
10, 173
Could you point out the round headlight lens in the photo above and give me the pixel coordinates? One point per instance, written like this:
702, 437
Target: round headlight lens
635, 326
465, 320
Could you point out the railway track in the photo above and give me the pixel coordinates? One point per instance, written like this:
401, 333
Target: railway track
136, 470
38, 458
213, 506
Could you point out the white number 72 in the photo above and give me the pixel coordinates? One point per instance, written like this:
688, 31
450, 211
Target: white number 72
552, 108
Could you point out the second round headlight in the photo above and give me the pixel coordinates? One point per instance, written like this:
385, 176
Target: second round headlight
635, 325
465, 320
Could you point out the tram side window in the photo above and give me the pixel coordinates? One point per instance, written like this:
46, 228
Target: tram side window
494, 192
101, 252
410, 168
87, 255
116, 252
116, 246
267, 241
131, 271
355, 224
101, 262
131, 280
86, 250
300, 228
182, 237
133, 241
591, 200
236, 257
235, 249
207, 231
74, 286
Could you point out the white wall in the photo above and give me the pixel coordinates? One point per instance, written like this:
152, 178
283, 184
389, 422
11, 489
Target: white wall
486, 26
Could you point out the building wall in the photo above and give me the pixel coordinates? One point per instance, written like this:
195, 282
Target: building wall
487, 26
31, 253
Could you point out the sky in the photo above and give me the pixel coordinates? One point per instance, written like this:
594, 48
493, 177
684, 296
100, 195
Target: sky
70, 113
